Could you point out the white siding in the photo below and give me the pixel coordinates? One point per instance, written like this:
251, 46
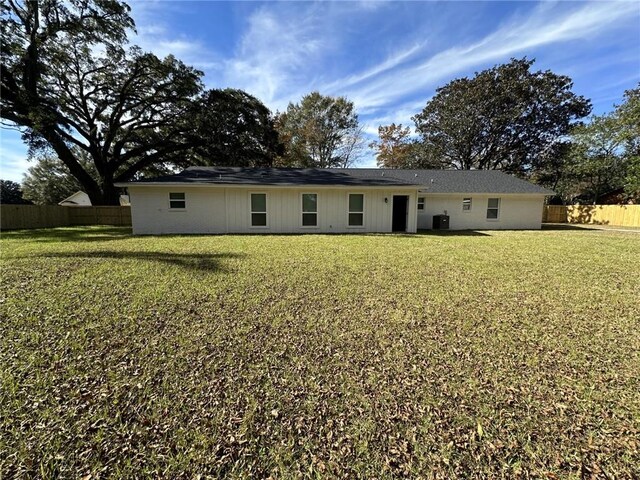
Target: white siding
226, 210
150, 213
516, 211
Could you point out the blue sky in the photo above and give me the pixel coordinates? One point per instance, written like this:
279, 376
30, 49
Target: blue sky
387, 57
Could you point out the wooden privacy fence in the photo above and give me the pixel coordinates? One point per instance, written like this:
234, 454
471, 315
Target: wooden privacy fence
615, 215
14, 217
120, 216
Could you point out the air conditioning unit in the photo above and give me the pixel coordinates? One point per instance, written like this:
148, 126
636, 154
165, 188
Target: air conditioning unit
441, 222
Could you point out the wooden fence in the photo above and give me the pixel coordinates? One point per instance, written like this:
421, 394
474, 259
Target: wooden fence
120, 216
13, 217
615, 215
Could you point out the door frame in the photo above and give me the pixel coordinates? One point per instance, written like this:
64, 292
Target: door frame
406, 212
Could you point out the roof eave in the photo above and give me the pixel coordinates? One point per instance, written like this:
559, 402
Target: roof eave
484, 192
259, 185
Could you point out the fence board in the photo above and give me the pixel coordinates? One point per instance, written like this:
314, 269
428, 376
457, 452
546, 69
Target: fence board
614, 215
13, 217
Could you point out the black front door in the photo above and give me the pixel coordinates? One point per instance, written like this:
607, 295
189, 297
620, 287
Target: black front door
399, 219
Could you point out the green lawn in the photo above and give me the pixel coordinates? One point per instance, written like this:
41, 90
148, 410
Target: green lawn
503, 354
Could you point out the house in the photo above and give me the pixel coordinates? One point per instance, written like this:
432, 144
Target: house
78, 199
81, 199
291, 200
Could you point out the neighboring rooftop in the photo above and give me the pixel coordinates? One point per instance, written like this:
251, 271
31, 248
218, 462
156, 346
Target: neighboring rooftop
433, 181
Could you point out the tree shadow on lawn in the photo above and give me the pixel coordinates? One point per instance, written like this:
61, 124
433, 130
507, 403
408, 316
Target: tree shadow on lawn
421, 234
194, 261
70, 234
452, 233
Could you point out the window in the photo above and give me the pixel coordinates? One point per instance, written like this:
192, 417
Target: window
309, 210
466, 204
493, 208
356, 210
258, 209
420, 203
177, 200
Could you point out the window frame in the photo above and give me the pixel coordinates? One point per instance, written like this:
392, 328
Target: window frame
266, 212
183, 200
349, 212
470, 204
302, 212
497, 209
420, 203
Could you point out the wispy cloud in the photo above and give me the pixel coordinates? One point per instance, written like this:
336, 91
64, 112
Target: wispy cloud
154, 34
275, 52
390, 63
520, 35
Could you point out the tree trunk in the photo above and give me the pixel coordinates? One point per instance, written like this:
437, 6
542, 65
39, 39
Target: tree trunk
108, 195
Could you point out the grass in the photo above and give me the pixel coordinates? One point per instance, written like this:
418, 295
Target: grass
509, 354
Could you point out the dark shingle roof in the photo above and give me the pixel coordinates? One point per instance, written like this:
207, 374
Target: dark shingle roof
432, 181
276, 176
459, 181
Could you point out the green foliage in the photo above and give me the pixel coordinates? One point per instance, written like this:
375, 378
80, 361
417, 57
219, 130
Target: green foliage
239, 128
594, 164
629, 117
46, 45
49, 181
318, 132
604, 153
319, 356
505, 118
628, 114
11, 193
632, 179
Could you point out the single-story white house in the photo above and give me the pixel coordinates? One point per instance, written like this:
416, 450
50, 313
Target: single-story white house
349, 200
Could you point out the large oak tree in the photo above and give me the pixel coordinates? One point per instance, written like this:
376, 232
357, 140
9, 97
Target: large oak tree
71, 86
505, 117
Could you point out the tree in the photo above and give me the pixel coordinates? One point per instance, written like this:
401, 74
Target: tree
628, 114
11, 193
551, 170
241, 130
127, 110
502, 118
49, 181
632, 179
318, 131
38, 40
605, 153
595, 165
394, 147
352, 148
